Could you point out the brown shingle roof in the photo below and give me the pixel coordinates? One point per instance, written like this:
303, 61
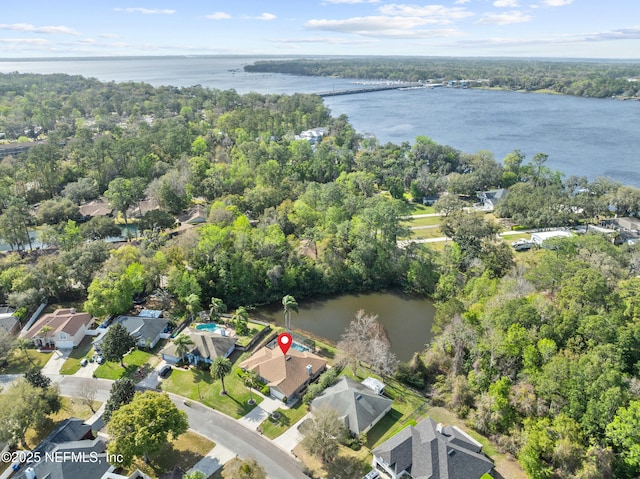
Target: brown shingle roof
61, 320
288, 375
96, 208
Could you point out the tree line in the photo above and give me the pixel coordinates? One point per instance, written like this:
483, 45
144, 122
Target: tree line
578, 78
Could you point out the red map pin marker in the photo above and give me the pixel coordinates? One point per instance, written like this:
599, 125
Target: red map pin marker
284, 341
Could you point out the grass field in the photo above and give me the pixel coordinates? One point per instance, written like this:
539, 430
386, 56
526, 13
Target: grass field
272, 428
21, 361
84, 350
71, 407
426, 233
184, 452
349, 463
133, 361
200, 386
428, 221
417, 209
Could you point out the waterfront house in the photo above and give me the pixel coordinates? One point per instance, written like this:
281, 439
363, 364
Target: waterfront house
67, 328
147, 331
288, 375
430, 450
99, 207
358, 406
206, 347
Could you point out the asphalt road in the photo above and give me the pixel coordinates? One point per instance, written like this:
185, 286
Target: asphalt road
211, 424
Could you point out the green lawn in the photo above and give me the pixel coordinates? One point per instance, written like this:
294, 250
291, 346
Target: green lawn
254, 328
428, 221
184, 451
84, 350
417, 209
51, 307
200, 386
511, 238
133, 361
71, 407
273, 428
427, 233
20, 363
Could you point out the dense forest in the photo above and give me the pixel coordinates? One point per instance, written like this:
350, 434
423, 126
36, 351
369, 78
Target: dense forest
578, 78
539, 351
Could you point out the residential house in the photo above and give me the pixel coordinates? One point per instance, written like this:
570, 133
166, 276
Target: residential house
431, 451
313, 136
491, 198
206, 347
288, 375
193, 216
147, 331
8, 322
68, 327
358, 406
99, 207
542, 236
75, 437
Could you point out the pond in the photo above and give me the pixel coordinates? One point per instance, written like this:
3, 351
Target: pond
407, 319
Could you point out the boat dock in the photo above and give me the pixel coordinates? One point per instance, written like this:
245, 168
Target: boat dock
399, 86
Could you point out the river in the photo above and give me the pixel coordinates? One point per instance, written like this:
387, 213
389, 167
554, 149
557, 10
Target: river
582, 136
407, 319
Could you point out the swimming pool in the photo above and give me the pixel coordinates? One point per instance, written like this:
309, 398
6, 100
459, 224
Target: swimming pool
299, 347
211, 327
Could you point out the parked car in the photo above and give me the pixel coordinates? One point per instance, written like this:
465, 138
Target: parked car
522, 245
84, 362
99, 359
164, 372
373, 474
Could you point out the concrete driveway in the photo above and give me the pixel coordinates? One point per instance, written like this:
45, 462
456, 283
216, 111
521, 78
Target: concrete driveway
58, 357
289, 439
259, 413
153, 378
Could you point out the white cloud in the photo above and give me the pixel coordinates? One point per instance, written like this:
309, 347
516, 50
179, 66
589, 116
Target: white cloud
352, 1
25, 27
556, 3
109, 35
146, 11
435, 13
218, 16
326, 40
461, 2
266, 17
505, 3
382, 26
505, 18
25, 41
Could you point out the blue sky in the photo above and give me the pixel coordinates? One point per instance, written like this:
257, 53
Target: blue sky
540, 28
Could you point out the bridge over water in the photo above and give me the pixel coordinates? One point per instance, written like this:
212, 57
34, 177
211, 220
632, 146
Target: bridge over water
399, 86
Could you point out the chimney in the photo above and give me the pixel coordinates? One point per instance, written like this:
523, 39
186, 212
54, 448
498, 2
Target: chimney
72, 310
439, 428
30, 473
309, 370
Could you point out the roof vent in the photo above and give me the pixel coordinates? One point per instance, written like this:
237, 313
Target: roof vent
30, 473
358, 397
287, 357
451, 452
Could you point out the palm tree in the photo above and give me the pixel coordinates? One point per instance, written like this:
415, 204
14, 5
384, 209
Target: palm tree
22, 344
220, 367
240, 319
217, 307
44, 331
250, 379
289, 303
192, 303
182, 344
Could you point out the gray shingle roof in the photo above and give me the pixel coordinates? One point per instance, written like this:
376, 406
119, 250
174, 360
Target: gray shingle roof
429, 452
143, 328
357, 404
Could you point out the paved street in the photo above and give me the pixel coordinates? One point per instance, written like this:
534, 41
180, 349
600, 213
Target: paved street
221, 429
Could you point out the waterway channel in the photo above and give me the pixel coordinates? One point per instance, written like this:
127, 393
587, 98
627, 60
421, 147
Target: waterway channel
407, 319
